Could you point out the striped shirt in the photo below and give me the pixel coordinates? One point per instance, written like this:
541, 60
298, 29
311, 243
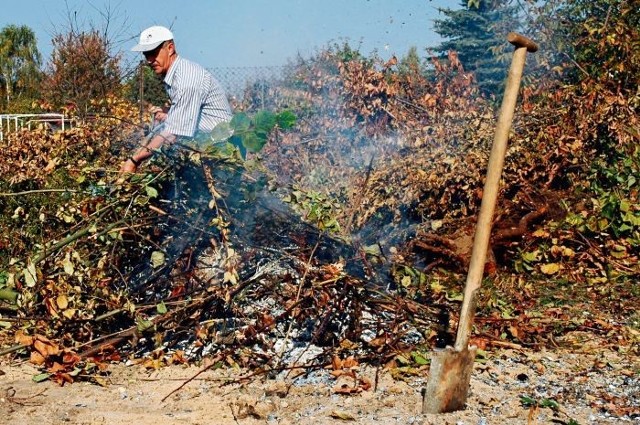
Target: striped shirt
198, 102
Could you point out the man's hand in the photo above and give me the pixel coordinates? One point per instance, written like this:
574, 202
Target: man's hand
128, 167
159, 114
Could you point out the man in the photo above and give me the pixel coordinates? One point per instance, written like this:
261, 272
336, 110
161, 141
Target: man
198, 102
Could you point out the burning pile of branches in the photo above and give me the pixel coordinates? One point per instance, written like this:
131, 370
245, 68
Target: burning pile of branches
132, 271
142, 269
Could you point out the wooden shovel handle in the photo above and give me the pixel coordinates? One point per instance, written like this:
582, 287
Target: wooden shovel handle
491, 187
520, 40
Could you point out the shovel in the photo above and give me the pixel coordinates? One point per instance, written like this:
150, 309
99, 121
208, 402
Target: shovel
450, 372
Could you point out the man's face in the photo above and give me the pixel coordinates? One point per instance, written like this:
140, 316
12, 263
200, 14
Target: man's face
159, 59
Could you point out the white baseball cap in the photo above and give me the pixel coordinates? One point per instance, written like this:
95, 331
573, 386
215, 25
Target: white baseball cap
151, 38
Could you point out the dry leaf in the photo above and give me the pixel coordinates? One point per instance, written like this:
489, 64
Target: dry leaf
36, 358
365, 383
23, 339
349, 362
336, 363
45, 347
57, 367
550, 268
342, 415
62, 301
346, 389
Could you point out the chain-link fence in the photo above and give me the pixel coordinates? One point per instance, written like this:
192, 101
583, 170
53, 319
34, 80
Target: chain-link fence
236, 80
262, 80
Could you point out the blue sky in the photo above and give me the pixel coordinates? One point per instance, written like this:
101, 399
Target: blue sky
222, 33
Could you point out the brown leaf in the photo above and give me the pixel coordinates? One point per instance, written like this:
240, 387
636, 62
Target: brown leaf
36, 358
378, 342
391, 62
51, 307
365, 383
57, 367
349, 362
62, 378
267, 320
481, 343
343, 372
70, 358
51, 165
45, 347
336, 363
23, 339
346, 389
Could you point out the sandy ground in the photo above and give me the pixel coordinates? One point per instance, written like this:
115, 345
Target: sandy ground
589, 389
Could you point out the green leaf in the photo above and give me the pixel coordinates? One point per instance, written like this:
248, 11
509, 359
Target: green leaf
631, 218
454, 296
240, 123
530, 257
625, 228
625, 206
144, 325
264, 121
152, 192
161, 308
419, 359
286, 119
75, 372
221, 132
618, 252
526, 401
551, 404
547, 402
230, 150
157, 259
254, 143
41, 377
372, 250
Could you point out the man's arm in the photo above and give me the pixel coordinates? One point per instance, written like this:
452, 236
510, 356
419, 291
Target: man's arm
132, 163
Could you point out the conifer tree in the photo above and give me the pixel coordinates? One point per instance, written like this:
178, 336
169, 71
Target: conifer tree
477, 32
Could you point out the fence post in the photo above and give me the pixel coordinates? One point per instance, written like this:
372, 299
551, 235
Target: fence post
141, 93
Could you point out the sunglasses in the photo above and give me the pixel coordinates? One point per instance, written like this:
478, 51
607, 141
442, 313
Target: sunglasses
153, 53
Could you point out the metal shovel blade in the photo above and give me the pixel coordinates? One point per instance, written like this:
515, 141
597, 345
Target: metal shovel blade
449, 392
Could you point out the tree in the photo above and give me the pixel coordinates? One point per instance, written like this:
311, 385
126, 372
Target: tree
153, 91
411, 62
82, 70
477, 32
85, 67
603, 40
20, 62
